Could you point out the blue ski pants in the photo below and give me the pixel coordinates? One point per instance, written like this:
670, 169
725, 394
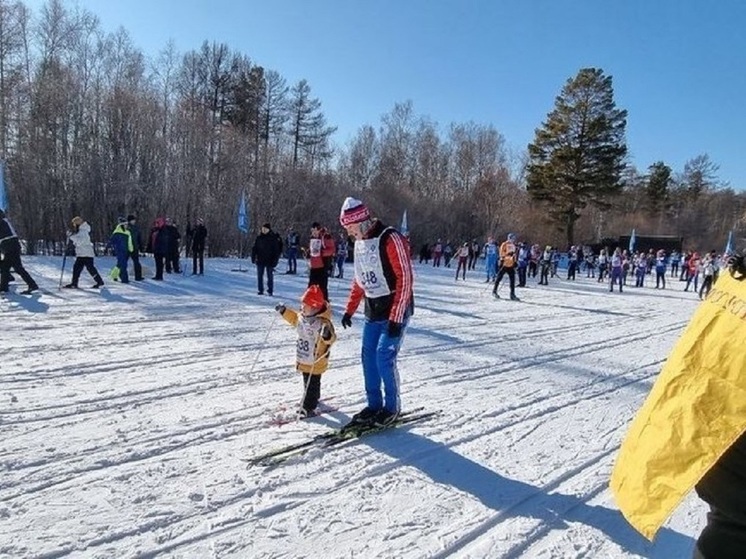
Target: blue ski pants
379, 365
491, 266
122, 265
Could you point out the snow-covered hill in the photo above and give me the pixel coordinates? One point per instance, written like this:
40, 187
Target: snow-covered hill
125, 416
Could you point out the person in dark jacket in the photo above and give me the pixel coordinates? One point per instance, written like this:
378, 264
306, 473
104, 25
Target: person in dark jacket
724, 488
136, 246
10, 252
172, 254
198, 236
266, 254
158, 245
292, 242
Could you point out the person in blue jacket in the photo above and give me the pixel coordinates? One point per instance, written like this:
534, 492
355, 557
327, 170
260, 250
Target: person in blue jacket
121, 242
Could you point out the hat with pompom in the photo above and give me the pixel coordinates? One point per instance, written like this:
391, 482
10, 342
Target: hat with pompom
313, 297
353, 211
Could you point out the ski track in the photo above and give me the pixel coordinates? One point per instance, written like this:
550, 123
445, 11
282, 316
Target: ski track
200, 355
299, 500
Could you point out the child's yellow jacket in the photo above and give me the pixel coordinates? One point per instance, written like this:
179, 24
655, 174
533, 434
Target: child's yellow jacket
312, 352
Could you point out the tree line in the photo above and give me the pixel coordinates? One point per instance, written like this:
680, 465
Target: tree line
91, 126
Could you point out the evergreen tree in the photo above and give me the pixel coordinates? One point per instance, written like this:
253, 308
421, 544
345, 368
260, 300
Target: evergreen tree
657, 186
578, 154
308, 127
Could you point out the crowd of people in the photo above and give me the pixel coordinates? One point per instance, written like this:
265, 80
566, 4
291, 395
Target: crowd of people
521, 261
163, 242
126, 243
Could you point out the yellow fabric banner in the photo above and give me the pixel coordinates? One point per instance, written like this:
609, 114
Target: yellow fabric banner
695, 411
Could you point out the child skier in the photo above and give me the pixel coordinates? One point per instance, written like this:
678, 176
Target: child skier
315, 338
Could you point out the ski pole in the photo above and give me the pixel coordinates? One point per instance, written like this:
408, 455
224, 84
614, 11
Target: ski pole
264, 344
497, 275
62, 271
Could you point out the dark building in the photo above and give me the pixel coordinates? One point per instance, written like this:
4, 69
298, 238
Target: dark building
643, 243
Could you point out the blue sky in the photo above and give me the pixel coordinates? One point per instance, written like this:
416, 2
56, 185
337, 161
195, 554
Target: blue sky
679, 66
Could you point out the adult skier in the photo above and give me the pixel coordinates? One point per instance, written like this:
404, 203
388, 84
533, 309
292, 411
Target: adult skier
507, 265
384, 279
490, 259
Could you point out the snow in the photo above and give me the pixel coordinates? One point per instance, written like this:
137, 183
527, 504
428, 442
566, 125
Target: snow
126, 417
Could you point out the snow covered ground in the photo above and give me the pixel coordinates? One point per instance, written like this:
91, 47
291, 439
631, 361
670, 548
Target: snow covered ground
125, 416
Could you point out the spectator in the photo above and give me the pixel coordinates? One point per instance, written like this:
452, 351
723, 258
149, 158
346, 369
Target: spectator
266, 254
199, 239
136, 246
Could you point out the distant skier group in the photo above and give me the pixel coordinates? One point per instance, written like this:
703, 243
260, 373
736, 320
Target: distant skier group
519, 262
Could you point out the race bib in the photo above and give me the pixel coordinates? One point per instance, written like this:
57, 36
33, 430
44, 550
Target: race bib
315, 247
306, 342
369, 268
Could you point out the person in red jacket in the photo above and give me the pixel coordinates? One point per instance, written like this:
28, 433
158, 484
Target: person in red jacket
317, 262
328, 251
384, 279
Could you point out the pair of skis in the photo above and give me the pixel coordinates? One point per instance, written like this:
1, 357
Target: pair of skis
335, 438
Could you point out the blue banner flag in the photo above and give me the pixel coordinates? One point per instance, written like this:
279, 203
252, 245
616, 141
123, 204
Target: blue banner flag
729, 244
404, 229
243, 217
3, 193
632, 241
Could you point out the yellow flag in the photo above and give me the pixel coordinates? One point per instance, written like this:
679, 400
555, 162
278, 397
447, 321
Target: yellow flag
695, 411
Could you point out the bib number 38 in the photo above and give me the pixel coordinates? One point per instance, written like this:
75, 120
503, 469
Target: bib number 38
369, 278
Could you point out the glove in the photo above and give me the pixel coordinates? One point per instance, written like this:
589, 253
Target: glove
394, 329
326, 332
280, 308
346, 320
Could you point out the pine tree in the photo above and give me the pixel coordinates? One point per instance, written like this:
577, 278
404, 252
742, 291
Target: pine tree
577, 157
657, 186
